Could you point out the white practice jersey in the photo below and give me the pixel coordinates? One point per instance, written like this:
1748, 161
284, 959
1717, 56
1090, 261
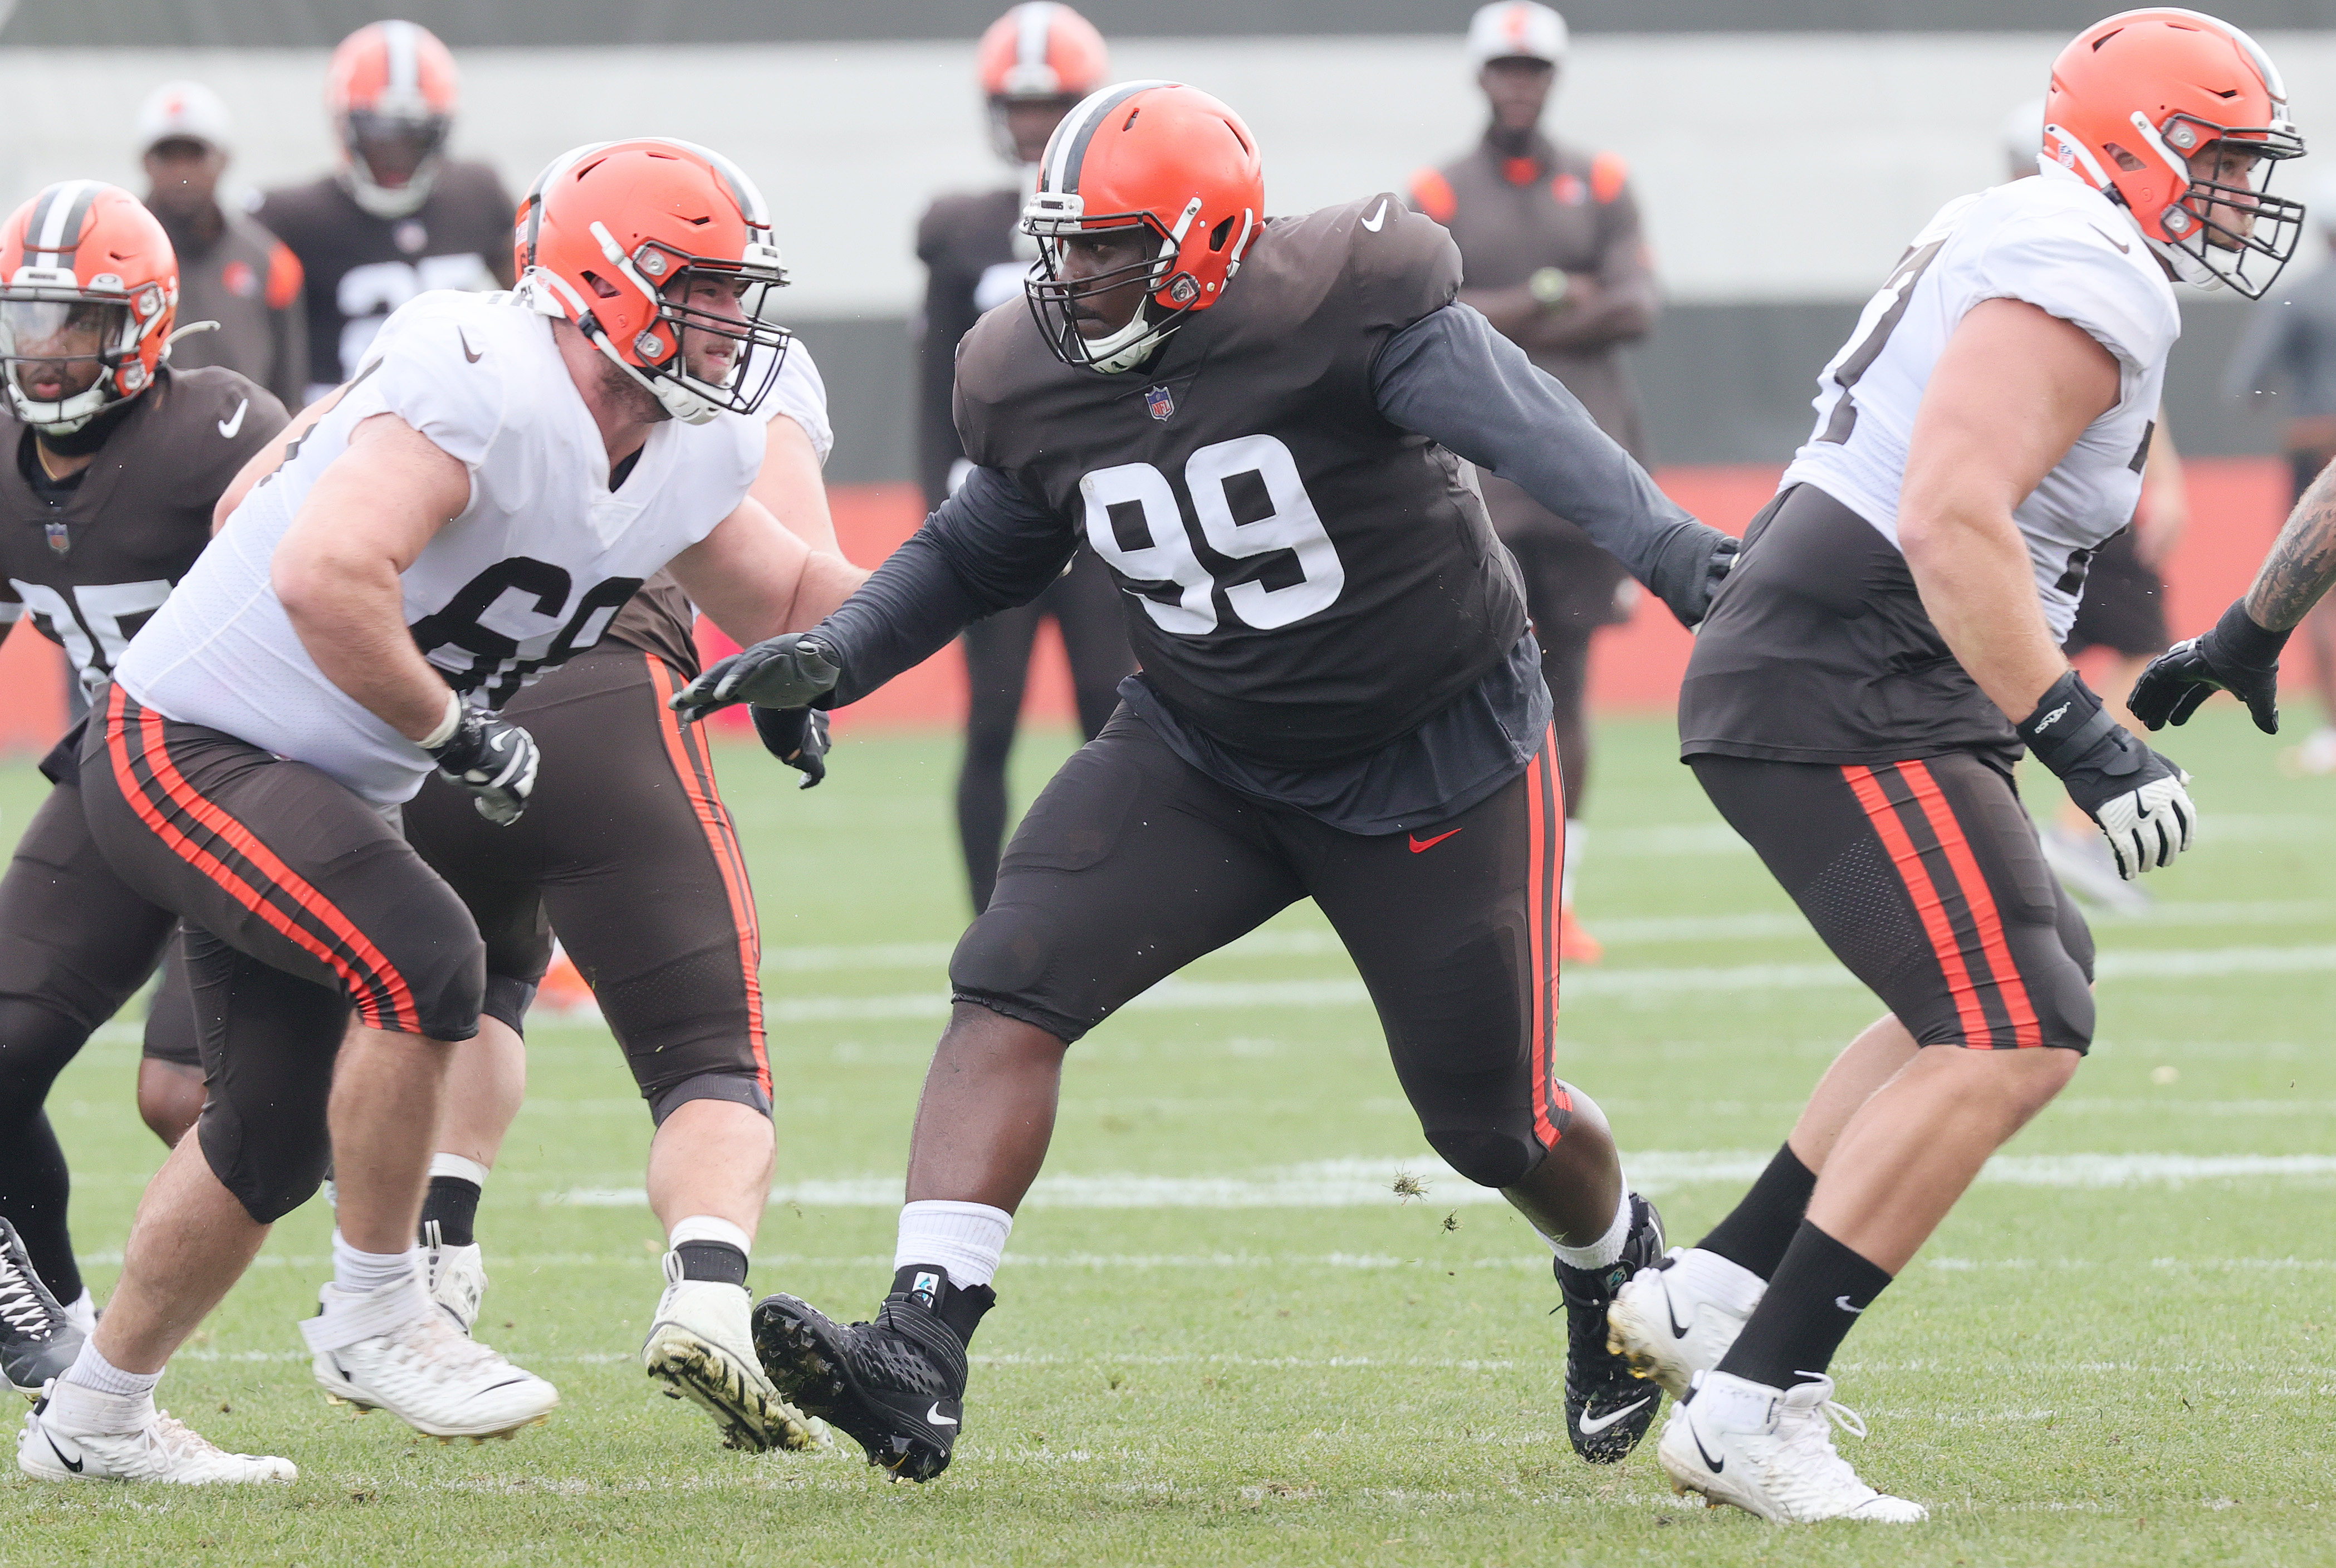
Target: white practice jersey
529, 574
2061, 245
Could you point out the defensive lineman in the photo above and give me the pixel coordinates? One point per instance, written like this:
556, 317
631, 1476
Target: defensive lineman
496, 480
118, 459
1260, 427
1858, 694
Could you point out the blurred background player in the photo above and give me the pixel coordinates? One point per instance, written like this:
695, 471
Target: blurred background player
1555, 258
399, 217
2290, 351
1035, 62
231, 270
2122, 610
117, 458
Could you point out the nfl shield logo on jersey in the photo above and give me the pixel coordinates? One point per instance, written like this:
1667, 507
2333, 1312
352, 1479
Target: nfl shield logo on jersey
1161, 401
60, 540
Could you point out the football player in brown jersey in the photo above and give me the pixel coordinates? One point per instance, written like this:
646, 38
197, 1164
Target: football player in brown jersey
1554, 256
399, 217
106, 503
1036, 62
1262, 427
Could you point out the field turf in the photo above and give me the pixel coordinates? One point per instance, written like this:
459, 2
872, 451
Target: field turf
1222, 1337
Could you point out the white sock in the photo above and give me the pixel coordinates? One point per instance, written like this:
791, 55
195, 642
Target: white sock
1574, 835
362, 1273
470, 1170
965, 1239
1604, 1252
708, 1228
93, 1371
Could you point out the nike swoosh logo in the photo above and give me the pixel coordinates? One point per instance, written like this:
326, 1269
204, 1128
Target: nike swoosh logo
1716, 1466
1678, 1330
1843, 1302
469, 353
1376, 220
2122, 247
1591, 1428
933, 1417
1419, 844
71, 1465
234, 422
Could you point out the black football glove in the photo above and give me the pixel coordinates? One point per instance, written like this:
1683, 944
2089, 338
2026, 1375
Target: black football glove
2134, 794
1694, 563
797, 736
495, 760
2237, 657
780, 672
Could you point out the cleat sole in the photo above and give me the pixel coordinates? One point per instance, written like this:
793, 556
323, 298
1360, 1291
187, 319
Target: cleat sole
750, 1422
808, 1378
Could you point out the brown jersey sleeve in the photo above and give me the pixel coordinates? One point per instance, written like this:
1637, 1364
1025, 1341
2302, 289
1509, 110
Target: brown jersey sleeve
1402, 265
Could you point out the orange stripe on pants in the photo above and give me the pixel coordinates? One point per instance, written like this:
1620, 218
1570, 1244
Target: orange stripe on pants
2026, 1030
1927, 903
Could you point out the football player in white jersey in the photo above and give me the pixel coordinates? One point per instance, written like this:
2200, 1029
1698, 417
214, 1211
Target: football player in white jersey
1874, 667
475, 506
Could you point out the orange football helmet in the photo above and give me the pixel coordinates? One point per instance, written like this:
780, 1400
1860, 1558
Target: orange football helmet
391, 89
617, 236
89, 288
2133, 98
1038, 51
1158, 156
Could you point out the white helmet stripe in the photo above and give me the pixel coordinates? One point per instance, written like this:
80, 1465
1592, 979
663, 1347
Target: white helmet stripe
1068, 148
1034, 24
60, 218
404, 56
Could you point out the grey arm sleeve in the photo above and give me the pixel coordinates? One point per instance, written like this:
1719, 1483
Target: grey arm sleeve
1450, 377
988, 548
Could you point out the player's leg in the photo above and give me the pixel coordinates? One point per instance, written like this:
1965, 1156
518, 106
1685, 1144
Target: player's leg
1129, 865
1085, 605
1564, 621
171, 1064
1453, 928
997, 667
1926, 879
316, 903
74, 945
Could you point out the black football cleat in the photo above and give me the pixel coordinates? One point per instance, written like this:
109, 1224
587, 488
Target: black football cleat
38, 1342
1607, 1408
896, 1387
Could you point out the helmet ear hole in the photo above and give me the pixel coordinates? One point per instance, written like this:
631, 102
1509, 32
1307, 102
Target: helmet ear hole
1219, 234
601, 286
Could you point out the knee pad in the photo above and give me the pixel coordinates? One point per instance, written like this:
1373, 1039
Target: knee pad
1486, 1155
277, 1166
737, 1088
450, 989
36, 1042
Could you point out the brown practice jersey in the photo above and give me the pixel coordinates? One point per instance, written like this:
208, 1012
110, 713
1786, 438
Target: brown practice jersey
658, 619
974, 259
1305, 580
92, 557
248, 281
360, 267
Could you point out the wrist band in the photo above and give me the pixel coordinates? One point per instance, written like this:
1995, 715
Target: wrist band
447, 725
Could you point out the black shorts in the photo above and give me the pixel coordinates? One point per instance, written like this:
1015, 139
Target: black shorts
1927, 880
1132, 864
300, 902
628, 852
2122, 607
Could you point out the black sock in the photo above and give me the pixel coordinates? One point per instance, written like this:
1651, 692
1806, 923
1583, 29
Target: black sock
453, 1202
1812, 1304
1757, 1231
34, 1186
720, 1262
961, 1307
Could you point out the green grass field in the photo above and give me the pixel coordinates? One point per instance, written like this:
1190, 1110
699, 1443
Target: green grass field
1222, 1337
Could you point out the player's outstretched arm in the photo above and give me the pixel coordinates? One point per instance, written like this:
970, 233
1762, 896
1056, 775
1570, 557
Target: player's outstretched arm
1450, 377
757, 579
2241, 653
2010, 394
987, 549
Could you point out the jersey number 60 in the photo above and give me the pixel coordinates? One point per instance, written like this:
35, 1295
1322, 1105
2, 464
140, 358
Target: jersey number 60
1290, 524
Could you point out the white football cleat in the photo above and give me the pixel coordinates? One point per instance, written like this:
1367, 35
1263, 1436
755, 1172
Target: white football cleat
1769, 1452
701, 1348
154, 1447
1677, 1317
396, 1350
457, 1277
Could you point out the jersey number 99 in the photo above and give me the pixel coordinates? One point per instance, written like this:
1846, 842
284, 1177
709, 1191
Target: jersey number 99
1290, 527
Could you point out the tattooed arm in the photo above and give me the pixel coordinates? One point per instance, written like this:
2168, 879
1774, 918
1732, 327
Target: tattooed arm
2302, 564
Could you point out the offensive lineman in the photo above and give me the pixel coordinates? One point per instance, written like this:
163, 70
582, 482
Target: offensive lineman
399, 218
1036, 62
1261, 427
477, 504
1864, 682
107, 503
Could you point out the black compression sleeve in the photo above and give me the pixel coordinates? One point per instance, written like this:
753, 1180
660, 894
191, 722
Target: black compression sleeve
1450, 377
988, 548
